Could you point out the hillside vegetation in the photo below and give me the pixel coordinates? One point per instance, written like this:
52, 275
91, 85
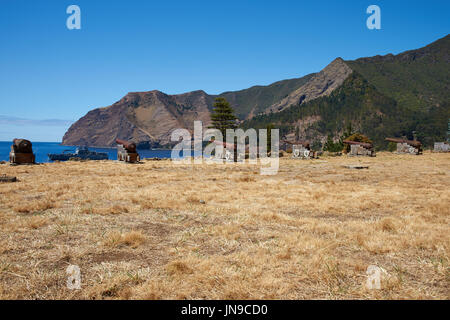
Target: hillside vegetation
417, 79
367, 109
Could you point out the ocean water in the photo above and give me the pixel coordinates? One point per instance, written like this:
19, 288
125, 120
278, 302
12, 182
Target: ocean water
42, 149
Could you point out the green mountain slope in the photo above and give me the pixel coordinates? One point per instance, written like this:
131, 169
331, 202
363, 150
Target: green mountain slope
368, 110
416, 79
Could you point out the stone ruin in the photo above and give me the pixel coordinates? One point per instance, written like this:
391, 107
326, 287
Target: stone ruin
360, 148
441, 147
405, 146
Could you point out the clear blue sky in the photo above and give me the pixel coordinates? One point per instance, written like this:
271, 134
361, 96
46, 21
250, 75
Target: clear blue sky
50, 72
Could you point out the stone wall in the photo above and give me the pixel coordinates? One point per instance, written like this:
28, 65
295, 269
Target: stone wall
441, 147
406, 148
357, 150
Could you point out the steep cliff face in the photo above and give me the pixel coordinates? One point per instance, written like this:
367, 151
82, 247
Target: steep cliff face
100, 127
157, 114
144, 117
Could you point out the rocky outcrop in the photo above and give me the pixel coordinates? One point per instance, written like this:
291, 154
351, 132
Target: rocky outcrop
321, 84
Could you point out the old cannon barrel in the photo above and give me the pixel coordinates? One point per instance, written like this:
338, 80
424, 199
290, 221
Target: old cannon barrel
363, 144
305, 144
413, 143
129, 146
22, 146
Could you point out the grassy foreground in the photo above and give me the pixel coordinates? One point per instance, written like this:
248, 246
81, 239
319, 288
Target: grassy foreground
163, 231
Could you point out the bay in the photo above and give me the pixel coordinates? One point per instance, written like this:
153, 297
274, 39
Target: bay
42, 149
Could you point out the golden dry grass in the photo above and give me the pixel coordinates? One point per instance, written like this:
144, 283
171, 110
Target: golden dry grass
163, 231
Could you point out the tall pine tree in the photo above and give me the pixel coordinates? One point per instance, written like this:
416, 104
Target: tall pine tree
222, 116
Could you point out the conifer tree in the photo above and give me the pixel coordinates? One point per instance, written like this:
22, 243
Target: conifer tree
222, 116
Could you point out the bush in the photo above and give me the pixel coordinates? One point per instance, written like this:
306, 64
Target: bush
392, 146
356, 137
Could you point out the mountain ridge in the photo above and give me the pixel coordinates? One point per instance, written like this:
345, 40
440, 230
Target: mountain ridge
417, 81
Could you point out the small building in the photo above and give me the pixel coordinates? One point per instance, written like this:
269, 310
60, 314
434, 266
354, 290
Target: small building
441, 147
127, 151
301, 149
21, 152
405, 146
360, 148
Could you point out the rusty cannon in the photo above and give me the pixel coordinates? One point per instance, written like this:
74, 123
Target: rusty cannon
21, 152
22, 146
358, 148
127, 151
357, 143
129, 146
407, 146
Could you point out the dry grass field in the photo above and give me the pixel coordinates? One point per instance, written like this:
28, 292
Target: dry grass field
157, 230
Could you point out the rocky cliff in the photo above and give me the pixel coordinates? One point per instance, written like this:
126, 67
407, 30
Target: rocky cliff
321, 84
144, 117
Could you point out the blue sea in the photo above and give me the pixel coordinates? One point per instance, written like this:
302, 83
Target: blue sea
42, 149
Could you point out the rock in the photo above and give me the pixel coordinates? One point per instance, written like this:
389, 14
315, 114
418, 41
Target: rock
357, 167
5, 178
321, 84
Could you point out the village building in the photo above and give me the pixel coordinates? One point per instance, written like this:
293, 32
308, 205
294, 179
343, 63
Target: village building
407, 146
360, 148
21, 152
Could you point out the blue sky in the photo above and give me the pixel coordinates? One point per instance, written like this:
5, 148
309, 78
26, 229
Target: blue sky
50, 72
